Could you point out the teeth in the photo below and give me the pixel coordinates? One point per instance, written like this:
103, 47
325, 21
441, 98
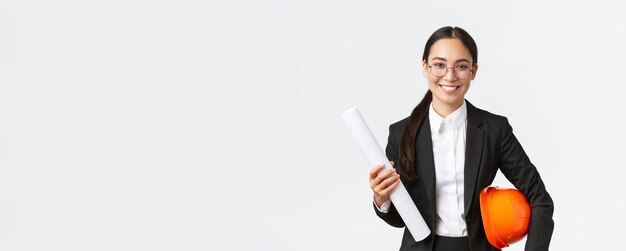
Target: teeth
449, 88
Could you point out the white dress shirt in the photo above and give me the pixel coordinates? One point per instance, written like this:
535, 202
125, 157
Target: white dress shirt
448, 137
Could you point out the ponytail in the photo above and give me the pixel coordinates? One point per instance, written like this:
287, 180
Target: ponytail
406, 167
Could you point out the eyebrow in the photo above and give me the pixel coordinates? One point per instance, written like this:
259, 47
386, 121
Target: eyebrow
443, 59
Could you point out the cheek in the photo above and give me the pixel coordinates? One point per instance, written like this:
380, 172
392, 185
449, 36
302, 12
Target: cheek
432, 84
432, 80
466, 86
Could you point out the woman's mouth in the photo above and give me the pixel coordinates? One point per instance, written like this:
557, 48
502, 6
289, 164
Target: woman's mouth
449, 88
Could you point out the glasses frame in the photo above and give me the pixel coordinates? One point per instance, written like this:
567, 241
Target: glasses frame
471, 70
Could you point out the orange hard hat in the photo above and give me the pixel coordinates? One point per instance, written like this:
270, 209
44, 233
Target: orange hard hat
506, 215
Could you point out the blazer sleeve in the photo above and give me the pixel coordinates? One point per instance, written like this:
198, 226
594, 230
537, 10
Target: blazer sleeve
517, 168
392, 217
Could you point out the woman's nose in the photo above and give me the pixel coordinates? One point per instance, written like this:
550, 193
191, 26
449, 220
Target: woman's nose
450, 75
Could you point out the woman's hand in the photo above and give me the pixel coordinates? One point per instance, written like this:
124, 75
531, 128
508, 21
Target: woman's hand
383, 183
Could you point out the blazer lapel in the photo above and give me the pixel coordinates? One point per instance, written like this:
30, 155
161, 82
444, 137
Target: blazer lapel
473, 152
424, 152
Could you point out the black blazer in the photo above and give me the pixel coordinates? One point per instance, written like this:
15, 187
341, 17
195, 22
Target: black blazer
490, 144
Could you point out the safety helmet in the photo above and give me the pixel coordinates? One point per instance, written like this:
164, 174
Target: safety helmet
506, 215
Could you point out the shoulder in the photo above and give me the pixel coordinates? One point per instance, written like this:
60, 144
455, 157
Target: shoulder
489, 121
396, 129
399, 125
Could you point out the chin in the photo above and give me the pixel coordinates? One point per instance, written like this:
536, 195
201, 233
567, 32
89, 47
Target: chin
448, 99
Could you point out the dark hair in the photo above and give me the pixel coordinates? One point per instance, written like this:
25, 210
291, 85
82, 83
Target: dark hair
406, 167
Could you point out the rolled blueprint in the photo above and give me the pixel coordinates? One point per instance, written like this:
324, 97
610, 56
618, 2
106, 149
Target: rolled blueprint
375, 155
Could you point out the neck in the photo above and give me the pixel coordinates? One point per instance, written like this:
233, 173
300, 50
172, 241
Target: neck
445, 109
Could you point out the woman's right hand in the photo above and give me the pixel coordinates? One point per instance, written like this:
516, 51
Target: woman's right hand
383, 183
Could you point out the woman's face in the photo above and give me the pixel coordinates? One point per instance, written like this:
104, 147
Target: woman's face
450, 88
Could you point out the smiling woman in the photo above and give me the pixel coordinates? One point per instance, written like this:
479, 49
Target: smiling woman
447, 151
448, 87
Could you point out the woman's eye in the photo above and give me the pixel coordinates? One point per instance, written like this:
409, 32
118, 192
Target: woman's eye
440, 65
462, 67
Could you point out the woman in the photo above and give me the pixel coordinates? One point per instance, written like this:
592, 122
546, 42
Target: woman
447, 151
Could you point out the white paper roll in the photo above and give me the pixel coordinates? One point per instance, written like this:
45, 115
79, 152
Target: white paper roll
375, 155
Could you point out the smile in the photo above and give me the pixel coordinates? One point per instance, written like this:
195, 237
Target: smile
450, 88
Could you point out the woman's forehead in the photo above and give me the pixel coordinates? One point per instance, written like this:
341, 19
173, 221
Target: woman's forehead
449, 49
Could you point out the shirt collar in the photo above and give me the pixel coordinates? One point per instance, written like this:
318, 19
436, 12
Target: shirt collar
455, 118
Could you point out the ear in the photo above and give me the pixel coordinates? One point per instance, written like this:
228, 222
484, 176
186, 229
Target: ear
474, 71
424, 69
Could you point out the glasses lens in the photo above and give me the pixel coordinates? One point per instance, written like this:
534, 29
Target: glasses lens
438, 69
462, 72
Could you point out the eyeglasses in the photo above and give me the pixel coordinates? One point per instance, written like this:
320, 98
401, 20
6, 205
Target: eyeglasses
461, 71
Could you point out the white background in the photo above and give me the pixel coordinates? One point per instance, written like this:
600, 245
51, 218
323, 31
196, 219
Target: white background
195, 125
